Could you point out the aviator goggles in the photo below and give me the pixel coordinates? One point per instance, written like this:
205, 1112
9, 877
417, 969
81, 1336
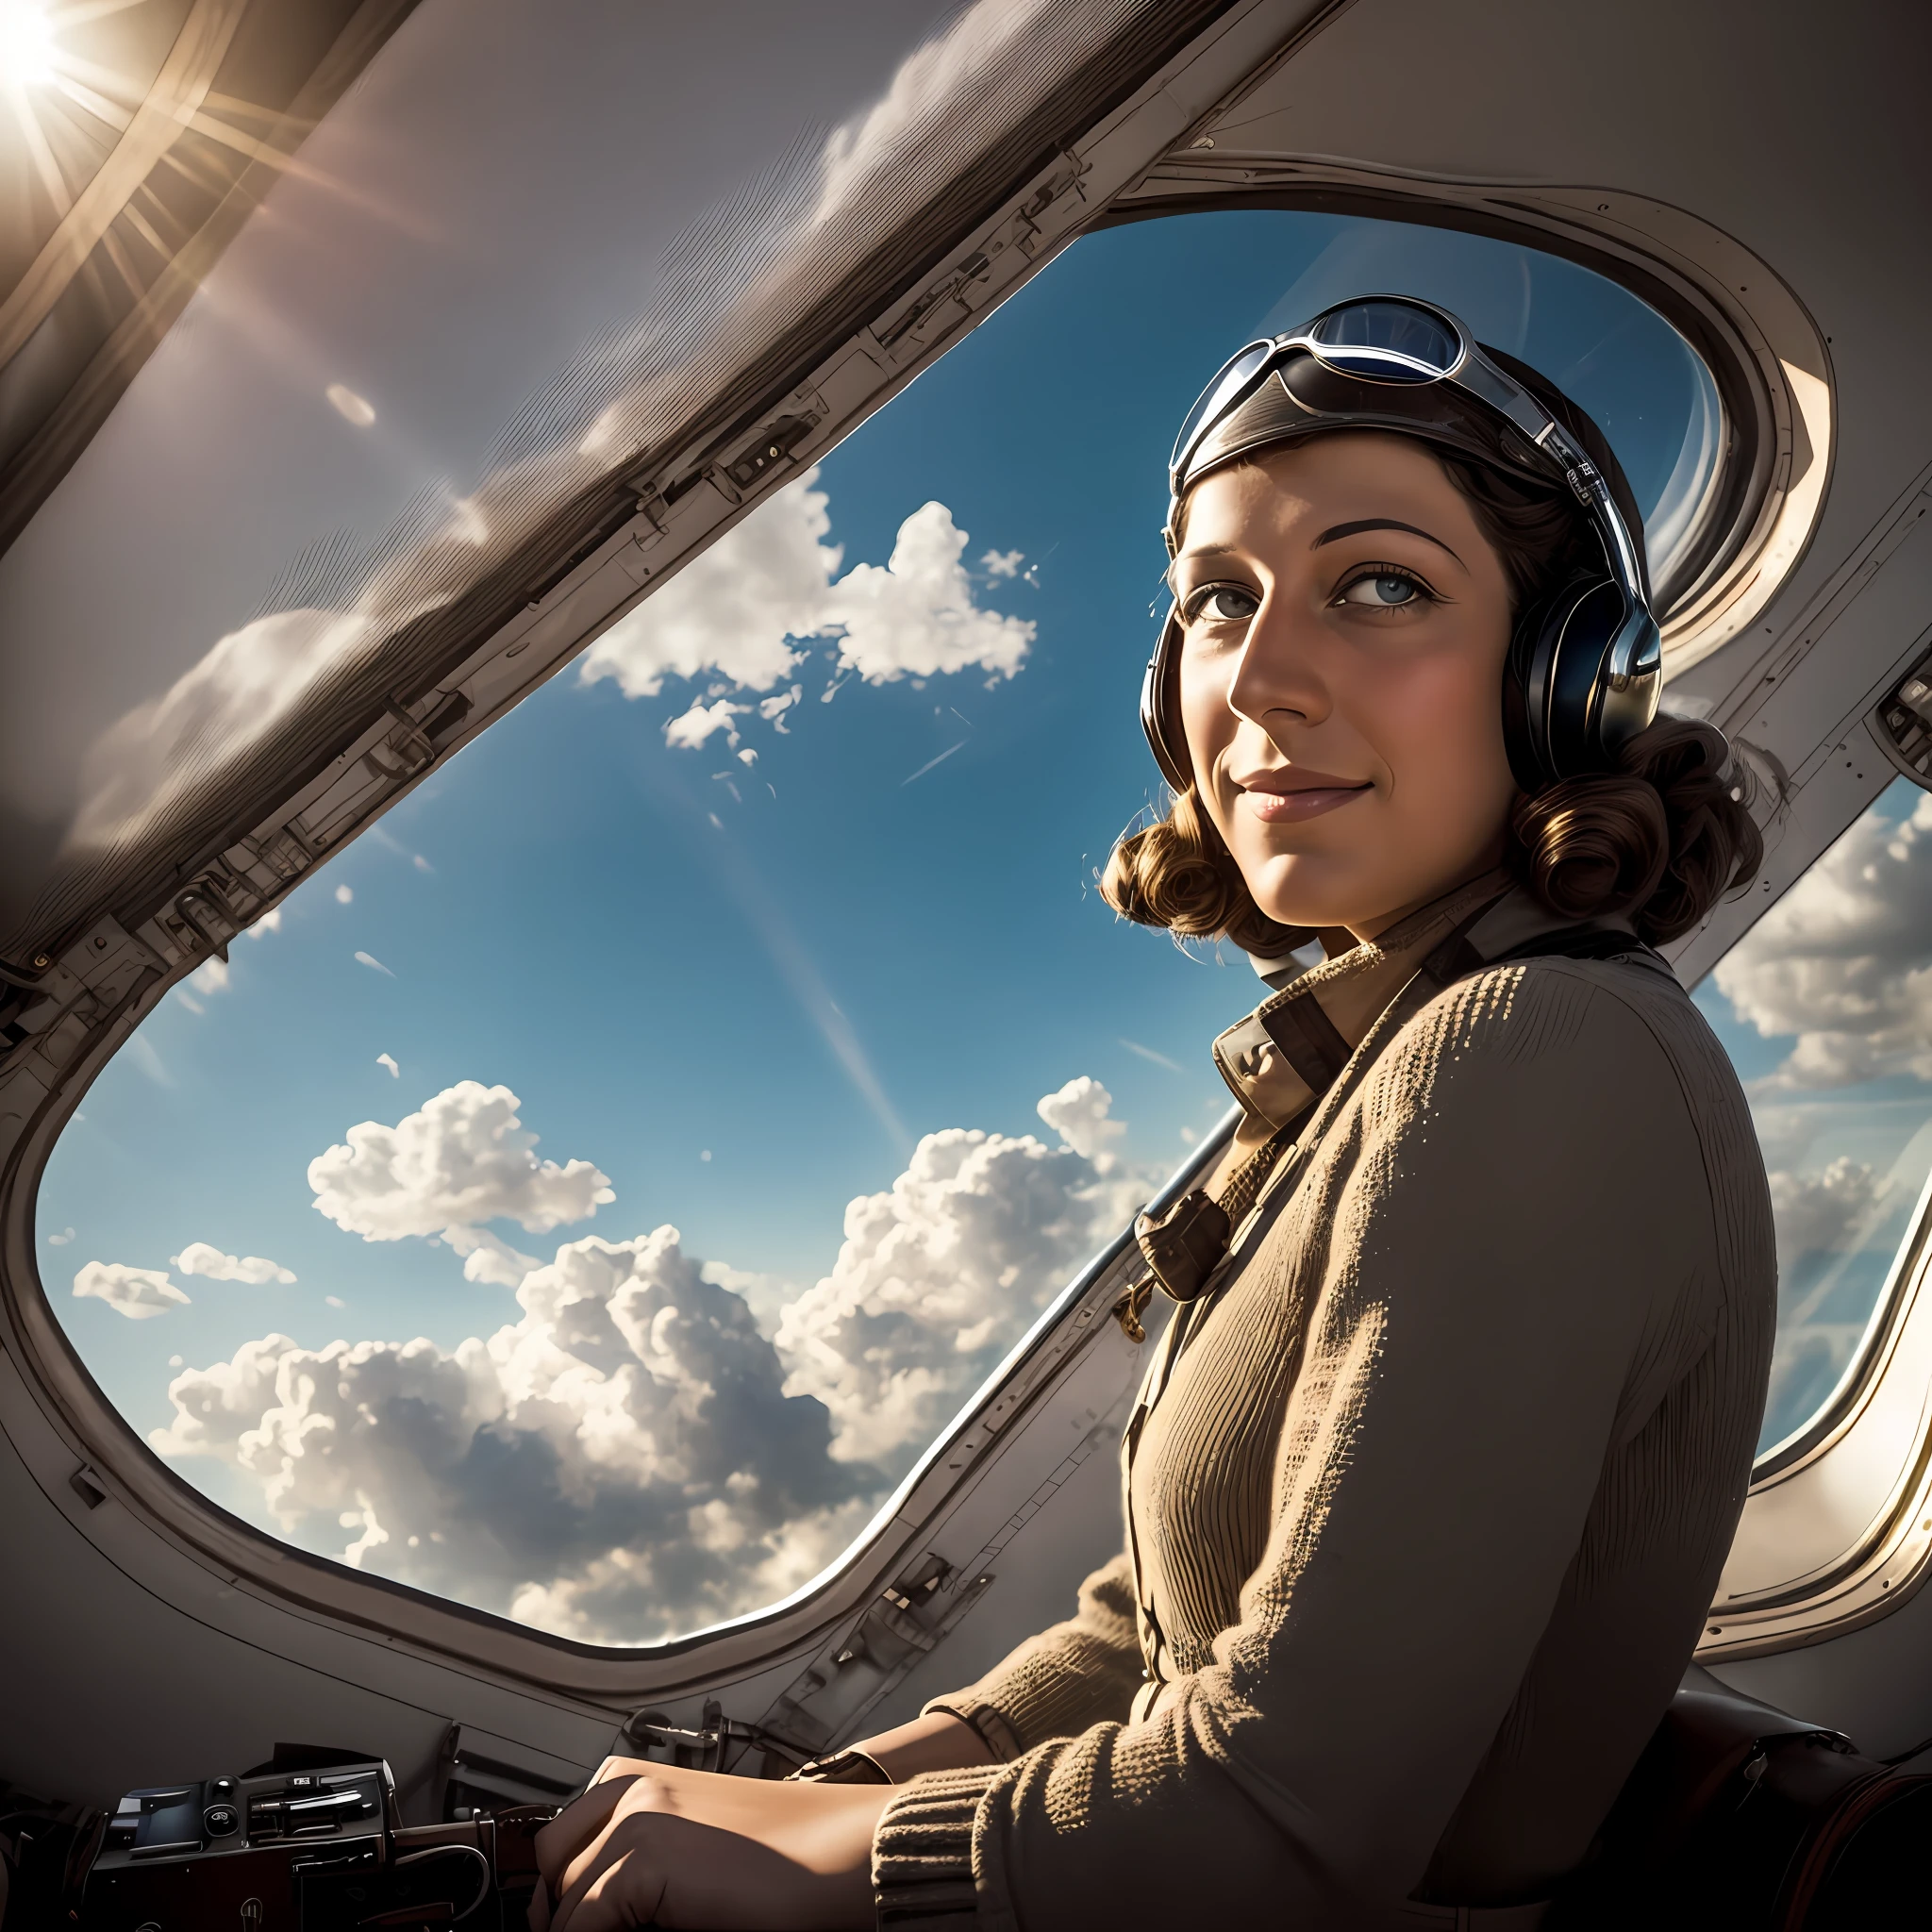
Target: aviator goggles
1391, 361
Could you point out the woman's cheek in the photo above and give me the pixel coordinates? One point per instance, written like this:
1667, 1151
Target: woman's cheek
1204, 686
1208, 727
1458, 804
1444, 718
1445, 694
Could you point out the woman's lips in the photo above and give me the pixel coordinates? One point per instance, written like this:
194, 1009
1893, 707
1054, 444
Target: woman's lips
1278, 807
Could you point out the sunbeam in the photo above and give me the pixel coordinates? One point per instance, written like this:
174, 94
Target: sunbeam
27, 53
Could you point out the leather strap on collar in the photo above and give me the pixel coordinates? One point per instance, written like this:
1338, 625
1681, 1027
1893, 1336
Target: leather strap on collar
1185, 1246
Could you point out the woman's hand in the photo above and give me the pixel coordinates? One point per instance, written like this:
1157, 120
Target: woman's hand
650, 1844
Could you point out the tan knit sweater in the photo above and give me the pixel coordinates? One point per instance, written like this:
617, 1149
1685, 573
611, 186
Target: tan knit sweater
1426, 1499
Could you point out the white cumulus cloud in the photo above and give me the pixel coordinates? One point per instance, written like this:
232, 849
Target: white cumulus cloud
943, 1271
203, 1258
1080, 1114
915, 616
639, 1453
620, 1463
461, 1159
733, 608
773, 709
690, 729
1841, 968
1845, 959
627, 1589
742, 610
1836, 1230
140, 1293
1827, 1213
490, 1257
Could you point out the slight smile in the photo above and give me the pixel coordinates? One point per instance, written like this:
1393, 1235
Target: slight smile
1286, 797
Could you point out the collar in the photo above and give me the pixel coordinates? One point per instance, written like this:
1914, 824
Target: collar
1287, 1053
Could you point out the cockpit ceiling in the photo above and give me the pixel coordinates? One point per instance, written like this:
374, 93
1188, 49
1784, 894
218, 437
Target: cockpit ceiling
887, 172
141, 136
857, 151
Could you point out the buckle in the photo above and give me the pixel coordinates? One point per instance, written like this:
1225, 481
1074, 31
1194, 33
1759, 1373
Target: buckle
1186, 1245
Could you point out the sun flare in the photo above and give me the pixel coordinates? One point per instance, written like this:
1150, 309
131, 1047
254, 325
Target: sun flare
28, 52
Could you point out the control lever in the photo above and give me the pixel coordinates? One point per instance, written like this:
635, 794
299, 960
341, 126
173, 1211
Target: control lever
335, 1801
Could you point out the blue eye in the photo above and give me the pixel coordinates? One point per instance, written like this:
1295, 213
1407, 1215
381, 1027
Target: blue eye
1382, 591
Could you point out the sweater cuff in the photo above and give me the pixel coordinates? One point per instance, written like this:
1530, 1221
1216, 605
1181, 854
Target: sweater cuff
996, 1733
922, 1853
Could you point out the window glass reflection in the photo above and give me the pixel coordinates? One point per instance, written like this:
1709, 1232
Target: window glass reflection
1826, 1008
593, 1191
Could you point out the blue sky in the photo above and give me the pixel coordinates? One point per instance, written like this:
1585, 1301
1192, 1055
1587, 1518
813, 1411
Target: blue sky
645, 953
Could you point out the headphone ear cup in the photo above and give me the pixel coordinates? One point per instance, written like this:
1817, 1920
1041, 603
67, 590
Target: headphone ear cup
1553, 690
1521, 677
1160, 706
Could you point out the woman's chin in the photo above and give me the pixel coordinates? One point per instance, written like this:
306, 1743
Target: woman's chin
1297, 891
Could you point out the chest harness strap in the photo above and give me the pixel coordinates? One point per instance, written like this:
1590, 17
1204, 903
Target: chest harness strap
1184, 1247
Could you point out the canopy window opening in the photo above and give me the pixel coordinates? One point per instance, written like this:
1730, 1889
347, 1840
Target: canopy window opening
1826, 1008
591, 1191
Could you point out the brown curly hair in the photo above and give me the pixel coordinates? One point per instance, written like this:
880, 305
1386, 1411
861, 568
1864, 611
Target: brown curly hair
1659, 840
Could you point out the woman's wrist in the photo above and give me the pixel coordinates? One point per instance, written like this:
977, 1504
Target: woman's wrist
937, 1742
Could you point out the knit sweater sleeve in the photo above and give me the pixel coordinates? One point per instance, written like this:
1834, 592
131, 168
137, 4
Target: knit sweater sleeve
1514, 1214
1055, 1685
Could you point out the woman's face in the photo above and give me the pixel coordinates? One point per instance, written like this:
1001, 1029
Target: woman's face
1345, 624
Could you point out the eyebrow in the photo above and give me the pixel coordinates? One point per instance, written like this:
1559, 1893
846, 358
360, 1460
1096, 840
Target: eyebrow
1342, 530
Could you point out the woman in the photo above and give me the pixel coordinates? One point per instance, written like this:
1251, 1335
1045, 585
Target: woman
1434, 1470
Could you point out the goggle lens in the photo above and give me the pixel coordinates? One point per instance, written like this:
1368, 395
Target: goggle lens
1386, 341
1235, 375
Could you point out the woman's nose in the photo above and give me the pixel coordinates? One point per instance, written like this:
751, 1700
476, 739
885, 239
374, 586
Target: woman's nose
1278, 676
